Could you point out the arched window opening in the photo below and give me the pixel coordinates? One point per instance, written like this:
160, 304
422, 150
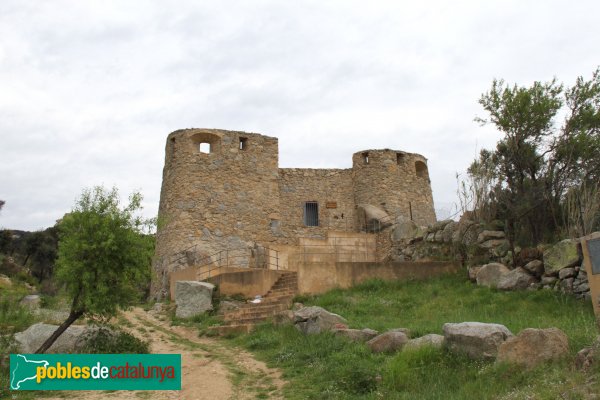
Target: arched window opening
206, 143
421, 170
365, 157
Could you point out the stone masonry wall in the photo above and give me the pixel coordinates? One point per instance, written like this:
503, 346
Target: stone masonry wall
329, 187
396, 182
224, 199
236, 197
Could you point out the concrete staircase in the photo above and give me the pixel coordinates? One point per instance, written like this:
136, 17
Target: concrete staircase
279, 298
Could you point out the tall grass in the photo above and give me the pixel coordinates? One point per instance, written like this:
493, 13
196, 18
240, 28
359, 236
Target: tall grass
328, 367
424, 306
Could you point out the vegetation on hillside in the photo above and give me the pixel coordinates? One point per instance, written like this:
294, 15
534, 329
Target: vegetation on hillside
542, 178
325, 366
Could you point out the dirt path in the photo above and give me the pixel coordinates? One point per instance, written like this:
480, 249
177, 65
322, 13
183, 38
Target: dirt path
210, 368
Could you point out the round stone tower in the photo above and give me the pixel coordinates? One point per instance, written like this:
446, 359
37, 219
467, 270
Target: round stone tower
219, 191
394, 181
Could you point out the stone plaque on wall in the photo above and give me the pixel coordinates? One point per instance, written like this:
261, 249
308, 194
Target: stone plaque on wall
331, 204
594, 251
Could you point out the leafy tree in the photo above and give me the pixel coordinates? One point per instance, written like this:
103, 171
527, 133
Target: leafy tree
41, 249
538, 161
103, 257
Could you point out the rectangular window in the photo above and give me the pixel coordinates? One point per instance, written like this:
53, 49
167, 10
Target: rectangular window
243, 143
365, 157
311, 213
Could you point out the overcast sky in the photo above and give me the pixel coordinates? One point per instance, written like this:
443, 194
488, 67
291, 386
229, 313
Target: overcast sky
89, 90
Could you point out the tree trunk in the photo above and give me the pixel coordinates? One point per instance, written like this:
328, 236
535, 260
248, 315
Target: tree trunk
59, 331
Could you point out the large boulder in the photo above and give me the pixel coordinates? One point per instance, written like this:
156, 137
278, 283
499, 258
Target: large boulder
388, 342
431, 340
374, 217
563, 254
490, 274
31, 301
356, 335
33, 337
405, 229
532, 347
448, 232
516, 279
477, 340
313, 320
193, 298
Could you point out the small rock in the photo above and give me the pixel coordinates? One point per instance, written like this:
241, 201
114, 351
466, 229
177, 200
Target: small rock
548, 280
567, 285
532, 347
297, 306
490, 274
356, 335
516, 279
387, 342
477, 340
33, 301
587, 356
535, 267
487, 235
493, 243
566, 273
584, 287
432, 340
284, 317
472, 271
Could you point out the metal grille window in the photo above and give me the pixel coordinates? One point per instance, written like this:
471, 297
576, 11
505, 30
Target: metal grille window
311, 213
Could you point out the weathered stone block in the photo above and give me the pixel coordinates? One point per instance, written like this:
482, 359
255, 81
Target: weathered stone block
193, 298
475, 339
532, 347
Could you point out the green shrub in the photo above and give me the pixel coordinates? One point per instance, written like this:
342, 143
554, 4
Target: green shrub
110, 340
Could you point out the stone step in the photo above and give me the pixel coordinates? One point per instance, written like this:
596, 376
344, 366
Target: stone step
268, 307
229, 329
232, 316
282, 292
248, 318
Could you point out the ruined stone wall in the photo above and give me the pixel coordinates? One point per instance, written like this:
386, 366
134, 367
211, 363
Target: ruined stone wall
331, 188
394, 181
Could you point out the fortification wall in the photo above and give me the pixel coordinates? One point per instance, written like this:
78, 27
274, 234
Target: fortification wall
330, 188
224, 190
224, 198
394, 181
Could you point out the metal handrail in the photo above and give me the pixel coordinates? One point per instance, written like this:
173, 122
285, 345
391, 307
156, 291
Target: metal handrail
226, 258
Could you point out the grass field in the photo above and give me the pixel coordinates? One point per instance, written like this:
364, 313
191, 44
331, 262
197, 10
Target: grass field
324, 366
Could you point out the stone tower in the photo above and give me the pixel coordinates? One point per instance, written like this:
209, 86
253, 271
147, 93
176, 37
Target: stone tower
394, 181
219, 191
